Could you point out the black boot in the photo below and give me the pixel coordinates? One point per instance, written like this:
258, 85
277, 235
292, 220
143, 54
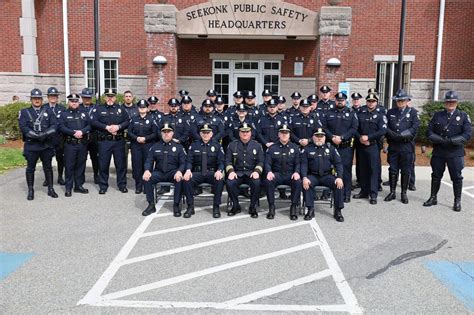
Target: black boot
49, 179
189, 211
310, 214
405, 181
149, 210
176, 210
60, 174
163, 190
253, 212
338, 215
293, 215
30, 181
235, 209
283, 195
392, 179
457, 188
435, 184
271, 212
216, 212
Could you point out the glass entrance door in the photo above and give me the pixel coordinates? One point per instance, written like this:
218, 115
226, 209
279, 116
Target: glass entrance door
246, 82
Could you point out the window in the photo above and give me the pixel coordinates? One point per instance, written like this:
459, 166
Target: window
108, 77
221, 85
271, 82
386, 81
246, 65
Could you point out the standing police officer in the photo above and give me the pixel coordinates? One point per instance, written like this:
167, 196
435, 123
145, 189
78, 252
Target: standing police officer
317, 163
269, 124
166, 162
142, 133
356, 105
37, 124
87, 107
206, 116
402, 126
324, 102
372, 126
282, 165
204, 164
294, 109
56, 138
111, 120
303, 125
341, 126
244, 165
448, 130
75, 126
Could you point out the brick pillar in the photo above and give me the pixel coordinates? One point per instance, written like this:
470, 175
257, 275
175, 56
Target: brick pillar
160, 28
333, 42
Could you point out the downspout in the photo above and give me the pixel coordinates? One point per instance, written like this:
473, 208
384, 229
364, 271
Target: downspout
66, 48
439, 50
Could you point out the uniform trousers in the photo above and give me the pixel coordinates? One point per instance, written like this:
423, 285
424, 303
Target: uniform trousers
281, 179
75, 156
327, 181
107, 149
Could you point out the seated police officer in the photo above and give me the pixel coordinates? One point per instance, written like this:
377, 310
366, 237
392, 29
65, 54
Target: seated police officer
317, 163
244, 165
74, 124
37, 124
142, 135
282, 165
449, 130
165, 163
204, 164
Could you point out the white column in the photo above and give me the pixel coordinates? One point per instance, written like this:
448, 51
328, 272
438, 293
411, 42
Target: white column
29, 58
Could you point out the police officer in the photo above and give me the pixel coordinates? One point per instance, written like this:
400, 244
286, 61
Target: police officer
356, 105
313, 100
74, 124
37, 124
448, 130
402, 126
166, 162
238, 99
128, 104
56, 138
372, 126
282, 166
153, 109
269, 124
220, 109
281, 101
87, 106
341, 126
204, 164
294, 109
110, 121
186, 117
142, 134
206, 116
250, 103
266, 96
236, 121
211, 95
324, 102
318, 160
183, 93
244, 165
303, 125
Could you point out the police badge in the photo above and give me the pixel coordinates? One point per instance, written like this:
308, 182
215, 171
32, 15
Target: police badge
254, 152
173, 149
147, 122
213, 149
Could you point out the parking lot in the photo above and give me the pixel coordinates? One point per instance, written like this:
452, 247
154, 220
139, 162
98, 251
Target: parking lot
97, 254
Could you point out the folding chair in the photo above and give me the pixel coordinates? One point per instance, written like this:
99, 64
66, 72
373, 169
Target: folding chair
288, 188
229, 200
166, 197
319, 191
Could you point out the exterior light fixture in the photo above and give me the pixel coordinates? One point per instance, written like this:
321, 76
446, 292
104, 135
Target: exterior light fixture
333, 62
160, 60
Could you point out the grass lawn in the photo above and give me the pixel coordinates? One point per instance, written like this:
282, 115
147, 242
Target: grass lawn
11, 158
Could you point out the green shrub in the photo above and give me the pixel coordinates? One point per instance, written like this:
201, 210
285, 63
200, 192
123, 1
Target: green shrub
119, 99
428, 111
3, 140
9, 120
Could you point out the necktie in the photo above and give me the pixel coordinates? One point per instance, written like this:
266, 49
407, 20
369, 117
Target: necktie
204, 160
284, 160
165, 159
320, 161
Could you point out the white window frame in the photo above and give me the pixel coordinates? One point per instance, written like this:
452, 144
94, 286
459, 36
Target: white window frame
385, 64
102, 73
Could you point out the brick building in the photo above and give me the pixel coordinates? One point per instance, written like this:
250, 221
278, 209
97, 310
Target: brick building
231, 44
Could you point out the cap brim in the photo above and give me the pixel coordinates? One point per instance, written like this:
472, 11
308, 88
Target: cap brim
245, 129
166, 129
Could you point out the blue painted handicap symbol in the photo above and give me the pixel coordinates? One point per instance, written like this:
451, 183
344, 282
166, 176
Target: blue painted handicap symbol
458, 277
9, 262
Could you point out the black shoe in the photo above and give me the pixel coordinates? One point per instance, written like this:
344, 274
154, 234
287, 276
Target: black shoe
283, 195
271, 212
457, 205
68, 193
432, 201
404, 198
176, 211
310, 214
61, 181
30, 182
391, 196
163, 190
189, 212
380, 188
234, 211
197, 191
293, 215
31, 194
138, 191
52, 193
246, 194
338, 215
216, 212
102, 191
347, 199
81, 190
124, 190
149, 210
387, 183
373, 201
253, 213
412, 187
360, 196
96, 179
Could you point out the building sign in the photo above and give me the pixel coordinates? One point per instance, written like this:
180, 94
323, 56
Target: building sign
231, 18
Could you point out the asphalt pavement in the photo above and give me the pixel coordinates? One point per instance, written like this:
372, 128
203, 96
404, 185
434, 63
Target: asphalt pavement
96, 254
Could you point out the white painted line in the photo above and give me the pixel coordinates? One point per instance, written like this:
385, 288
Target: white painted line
337, 274
279, 288
210, 243
192, 226
463, 190
204, 272
99, 287
223, 306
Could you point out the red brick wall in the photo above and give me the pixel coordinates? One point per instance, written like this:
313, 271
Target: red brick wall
329, 47
11, 47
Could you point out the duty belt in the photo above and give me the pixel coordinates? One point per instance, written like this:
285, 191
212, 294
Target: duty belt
199, 168
110, 137
346, 144
72, 140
